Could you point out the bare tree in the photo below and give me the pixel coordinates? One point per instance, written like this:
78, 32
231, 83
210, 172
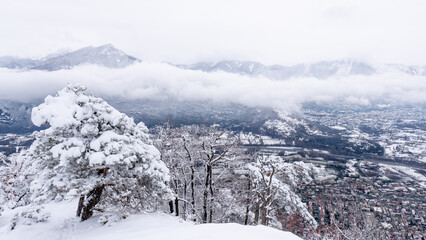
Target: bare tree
198, 157
272, 192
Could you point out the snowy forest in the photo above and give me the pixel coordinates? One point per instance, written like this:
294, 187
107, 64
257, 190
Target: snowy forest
112, 168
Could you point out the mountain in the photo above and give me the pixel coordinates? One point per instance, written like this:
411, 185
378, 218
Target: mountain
106, 55
320, 70
409, 69
247, 67
5, 117
15, 117
18, 63
109, 56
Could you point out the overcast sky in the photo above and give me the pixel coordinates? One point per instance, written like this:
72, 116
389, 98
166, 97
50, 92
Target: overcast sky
284, 32
272, 32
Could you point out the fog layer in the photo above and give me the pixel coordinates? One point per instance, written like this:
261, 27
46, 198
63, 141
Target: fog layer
149, 80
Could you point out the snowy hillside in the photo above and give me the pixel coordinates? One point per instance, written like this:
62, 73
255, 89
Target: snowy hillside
62, 224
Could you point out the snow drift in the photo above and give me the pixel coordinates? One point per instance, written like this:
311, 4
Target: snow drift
62, 225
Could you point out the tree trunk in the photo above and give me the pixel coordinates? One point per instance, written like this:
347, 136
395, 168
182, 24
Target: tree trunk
184, 197
80, 205
193, 192
206, 194
92, 198
264, 215
211, 195
177, 206
248, 202
265, 206
176, 198
256, 213
171, 206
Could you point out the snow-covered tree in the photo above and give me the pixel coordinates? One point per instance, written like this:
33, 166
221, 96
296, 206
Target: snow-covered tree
93, 151
217, 149
212, 182
273, 181
199, 158
173, 151
13, 189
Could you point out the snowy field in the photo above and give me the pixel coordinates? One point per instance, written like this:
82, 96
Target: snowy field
406, 171
63, 225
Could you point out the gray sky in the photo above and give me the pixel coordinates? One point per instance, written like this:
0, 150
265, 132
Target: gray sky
284, 32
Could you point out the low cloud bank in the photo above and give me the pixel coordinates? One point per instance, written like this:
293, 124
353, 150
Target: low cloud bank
161, 81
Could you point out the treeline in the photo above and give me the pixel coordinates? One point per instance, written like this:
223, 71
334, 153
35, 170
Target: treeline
216, 180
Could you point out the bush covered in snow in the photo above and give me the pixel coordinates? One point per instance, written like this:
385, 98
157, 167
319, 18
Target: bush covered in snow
30, 216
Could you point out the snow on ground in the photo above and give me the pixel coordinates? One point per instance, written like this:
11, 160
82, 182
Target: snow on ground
350, 168
340, 128
62, 225
324, 174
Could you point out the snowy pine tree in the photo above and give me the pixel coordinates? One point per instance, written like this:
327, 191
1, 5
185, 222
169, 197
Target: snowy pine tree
93, 151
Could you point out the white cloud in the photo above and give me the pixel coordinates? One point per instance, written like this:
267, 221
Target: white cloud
151, 80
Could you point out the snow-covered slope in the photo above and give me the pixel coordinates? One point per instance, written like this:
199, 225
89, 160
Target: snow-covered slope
106, 55
63, 225
299, 130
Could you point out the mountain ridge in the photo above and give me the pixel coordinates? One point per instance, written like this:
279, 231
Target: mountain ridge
105, 55
320, 70
111, 57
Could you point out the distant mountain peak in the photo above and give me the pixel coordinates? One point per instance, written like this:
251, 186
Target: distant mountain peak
105, 55
108, 45
107, 49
